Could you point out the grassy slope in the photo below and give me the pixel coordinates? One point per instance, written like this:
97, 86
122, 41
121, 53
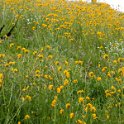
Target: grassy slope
60, 53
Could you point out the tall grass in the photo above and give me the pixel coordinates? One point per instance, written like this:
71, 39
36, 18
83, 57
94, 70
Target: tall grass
62, 63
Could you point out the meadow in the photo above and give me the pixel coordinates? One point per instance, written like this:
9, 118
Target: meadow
61, 63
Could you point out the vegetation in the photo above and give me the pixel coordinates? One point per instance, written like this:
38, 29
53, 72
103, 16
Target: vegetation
61, 63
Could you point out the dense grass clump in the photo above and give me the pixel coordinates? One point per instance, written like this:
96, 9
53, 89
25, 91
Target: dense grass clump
61, 63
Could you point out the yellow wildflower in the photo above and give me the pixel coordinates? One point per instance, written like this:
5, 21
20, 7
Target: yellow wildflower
91, 74
19, 122
66, 82
68, 105
19, 56
80, 99
98, 78
75, 81
105, 56
27, 117
67, 74
50, 87
61, 111
71, 115
80, 122
94, 116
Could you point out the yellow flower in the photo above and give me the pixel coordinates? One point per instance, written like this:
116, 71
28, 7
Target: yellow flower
11, 45
75, 81
105, 56
19, 56
67, 74
61, 111
89, 105
48, 47
19, 122
44, 25
50, 87
50, 57
71, 115
27, 117
66, 82
18, 47
14, 70
121, 70
56, 62
12, 63
59, 68
37, 71
27, 97
100, 34
79, 62
80, 122
80, 99
104, 69
98, 78
120, 59
91, 74
113, 88
53, 104
2, 55
80, 91
34, 53
115, 61
33, 28
109, 74
58, 90
87, 98
68, 105
40, 56
94, 116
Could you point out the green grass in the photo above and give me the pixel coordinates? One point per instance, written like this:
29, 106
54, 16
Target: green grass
61, 53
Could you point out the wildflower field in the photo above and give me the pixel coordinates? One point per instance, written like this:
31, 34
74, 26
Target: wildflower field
61, 63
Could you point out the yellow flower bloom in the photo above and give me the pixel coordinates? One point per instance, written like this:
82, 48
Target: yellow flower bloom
104, 69
75, 81
66, 82
80, 99
59, 68
87, 98
105, 56
71, 115
44, 25
67, 74
61, 111
2, 55
27, 117
50, 87
98, 78
33, 28
19, 56
28, 98
80, 91
68, 105
91, 74
80, 122
19, 122
79, 62
58, 90
94, 116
